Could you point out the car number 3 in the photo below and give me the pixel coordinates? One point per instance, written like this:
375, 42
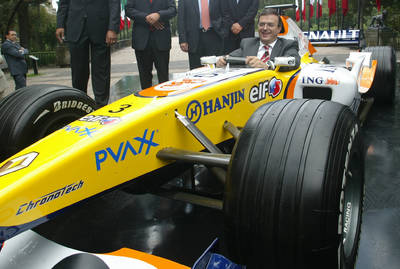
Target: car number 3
122, 108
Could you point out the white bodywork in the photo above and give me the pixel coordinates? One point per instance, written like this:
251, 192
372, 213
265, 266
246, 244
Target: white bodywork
340, 80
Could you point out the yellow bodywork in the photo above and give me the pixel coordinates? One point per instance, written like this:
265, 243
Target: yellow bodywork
119, 142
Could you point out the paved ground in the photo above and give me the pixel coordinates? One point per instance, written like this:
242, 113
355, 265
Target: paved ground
123, 63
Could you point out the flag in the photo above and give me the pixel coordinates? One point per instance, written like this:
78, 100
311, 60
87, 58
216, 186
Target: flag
319, 14
332, 7
122, 15
345, 7
378, 4
303, 9
129, 22
311, 8
297, 11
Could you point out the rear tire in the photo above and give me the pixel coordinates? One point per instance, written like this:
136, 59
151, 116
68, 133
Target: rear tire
31, 113
384, 86
295, 172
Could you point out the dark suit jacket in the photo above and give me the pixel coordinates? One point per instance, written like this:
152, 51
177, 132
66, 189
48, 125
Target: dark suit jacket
283, 47
137, 10
243, 13
14, 58
100, 15
189, 21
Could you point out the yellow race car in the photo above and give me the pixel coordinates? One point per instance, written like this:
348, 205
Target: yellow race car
286, 146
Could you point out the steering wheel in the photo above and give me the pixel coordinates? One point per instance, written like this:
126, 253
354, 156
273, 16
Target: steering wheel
235, 60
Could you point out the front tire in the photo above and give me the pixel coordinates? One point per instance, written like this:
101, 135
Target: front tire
384, 86
31, 113
295, 179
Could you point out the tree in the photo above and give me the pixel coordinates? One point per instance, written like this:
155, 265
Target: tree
16, 13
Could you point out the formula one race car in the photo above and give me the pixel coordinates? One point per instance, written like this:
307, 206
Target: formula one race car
286, 146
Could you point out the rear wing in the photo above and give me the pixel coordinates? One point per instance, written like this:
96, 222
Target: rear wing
336, 37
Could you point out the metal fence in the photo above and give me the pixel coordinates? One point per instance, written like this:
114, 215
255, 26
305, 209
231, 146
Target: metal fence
46, 58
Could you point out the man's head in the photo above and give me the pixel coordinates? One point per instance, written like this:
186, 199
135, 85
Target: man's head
269, 25
11, 35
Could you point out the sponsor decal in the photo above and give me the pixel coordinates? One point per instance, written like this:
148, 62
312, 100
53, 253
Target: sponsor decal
313, 80
333, 36
195, 110
347, 218
319, 81
275, 87
18, 163
326, 68
79, 130
103, 120
258, 93
206, 75
125, 148
49, 197
186, 83
346, 210
331, 81
59, 105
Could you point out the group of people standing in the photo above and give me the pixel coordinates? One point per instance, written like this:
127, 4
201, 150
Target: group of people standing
205, 27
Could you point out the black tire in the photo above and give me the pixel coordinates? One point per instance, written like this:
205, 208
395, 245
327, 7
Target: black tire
384, 86
283, 192
31, 113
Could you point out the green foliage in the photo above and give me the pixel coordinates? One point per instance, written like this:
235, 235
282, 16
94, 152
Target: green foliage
6, 7
40, 23
42, 30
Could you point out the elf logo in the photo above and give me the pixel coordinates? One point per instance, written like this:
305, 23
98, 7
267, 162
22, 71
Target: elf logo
266, 88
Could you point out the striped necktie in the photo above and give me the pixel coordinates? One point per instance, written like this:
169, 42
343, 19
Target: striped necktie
265, 57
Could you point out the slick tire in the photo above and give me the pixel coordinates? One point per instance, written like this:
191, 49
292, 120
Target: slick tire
384, 86
31, 113
295, 187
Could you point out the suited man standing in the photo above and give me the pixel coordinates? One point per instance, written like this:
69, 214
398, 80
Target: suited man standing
200, 28
151, 37
239, 19
15, 58
89, 26
259, 50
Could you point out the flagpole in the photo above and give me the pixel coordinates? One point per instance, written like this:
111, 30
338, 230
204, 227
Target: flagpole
329, 21
317, 14
338, 14
309, 19
301, 15
359, 14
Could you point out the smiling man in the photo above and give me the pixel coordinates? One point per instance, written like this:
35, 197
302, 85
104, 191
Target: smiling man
259, 50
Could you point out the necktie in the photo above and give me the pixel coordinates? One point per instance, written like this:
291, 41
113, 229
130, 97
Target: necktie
205, 15
265, 57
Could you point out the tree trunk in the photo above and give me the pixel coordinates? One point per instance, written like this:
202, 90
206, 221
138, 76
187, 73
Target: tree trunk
23, 23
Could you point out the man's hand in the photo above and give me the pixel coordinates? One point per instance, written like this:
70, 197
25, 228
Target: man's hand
236, 28
60, 35
158, 25
153, 18
184, 47
221, 62
253, 61
111, 37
